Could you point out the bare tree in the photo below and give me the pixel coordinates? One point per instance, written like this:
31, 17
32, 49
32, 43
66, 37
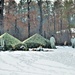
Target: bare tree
41, 17
48, 12
28, 2
1, 16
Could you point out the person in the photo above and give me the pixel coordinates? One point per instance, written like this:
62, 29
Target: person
52, 42
2, 43
73, 42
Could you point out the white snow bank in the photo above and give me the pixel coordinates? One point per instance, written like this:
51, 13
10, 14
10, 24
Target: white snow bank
60, 61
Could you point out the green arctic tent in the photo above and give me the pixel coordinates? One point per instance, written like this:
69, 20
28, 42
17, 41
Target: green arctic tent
9, 39
36, 40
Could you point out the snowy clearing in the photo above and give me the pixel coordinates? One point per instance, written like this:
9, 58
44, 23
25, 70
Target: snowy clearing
60, 61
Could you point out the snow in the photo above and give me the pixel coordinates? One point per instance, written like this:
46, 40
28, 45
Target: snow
17, 1
72, 30
33, 0
60, 61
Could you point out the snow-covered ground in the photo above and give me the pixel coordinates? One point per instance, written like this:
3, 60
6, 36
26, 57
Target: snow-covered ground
60, 61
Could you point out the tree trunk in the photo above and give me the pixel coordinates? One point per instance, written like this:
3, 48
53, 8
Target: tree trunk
68, 16
49, 21
61, 21
1, 16
28, 1
54, 22
41, 17
16, 29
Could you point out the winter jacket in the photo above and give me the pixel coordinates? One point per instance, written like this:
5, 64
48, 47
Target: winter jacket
73, 42
52, 42
2, 42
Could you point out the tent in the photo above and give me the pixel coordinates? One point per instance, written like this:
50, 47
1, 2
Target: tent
37, 40
9, 39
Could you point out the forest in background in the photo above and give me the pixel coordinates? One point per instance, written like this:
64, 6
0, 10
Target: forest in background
44, 17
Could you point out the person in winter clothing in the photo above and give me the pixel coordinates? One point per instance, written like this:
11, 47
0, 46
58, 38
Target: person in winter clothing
52, 42
2, 43
73, 41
